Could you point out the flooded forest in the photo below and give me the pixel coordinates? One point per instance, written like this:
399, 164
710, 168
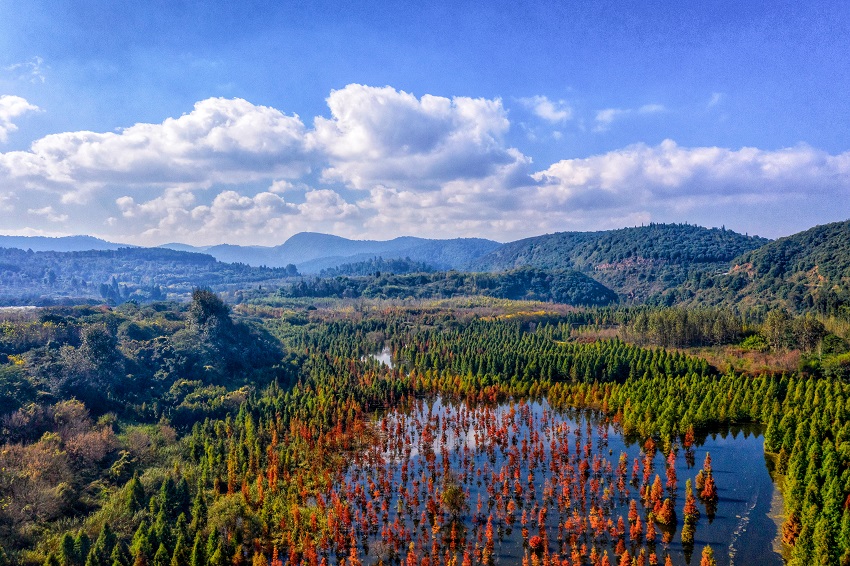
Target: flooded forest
464, 432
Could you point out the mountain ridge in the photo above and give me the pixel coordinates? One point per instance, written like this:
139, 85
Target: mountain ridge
656, 264
312, 252
77, 243
636, 262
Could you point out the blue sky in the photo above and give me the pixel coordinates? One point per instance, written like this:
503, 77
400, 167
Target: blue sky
245, 122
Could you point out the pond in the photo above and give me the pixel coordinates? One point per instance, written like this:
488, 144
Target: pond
523, 483
384, 357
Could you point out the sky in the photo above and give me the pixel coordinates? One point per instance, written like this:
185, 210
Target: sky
209, 122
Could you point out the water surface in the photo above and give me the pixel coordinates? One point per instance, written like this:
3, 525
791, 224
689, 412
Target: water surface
489, 451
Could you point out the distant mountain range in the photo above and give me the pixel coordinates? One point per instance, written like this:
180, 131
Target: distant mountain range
657, 264
142, 274
61, 244
312, 252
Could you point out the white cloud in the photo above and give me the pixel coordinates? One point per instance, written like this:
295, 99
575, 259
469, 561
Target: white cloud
49, 213
171, 201
281, 186
390, 163
551, 111
381, 136
324, 205
12, 107
669, 177
29, 231
220, 141
630, 186
716, 98
606, 117
230, 216
31, 70
6, 202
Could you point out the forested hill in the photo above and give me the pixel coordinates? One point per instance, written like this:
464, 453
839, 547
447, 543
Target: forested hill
559, 286
28, 277
807, 270
635, 262
550, 251
376, 266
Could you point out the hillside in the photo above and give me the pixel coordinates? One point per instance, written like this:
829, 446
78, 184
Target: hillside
377, 265
810, 269
28, 277
560, 286
637, 262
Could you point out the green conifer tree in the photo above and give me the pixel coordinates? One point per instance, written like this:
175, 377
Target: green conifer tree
162, 556
82, 545
141, 547
180, 556
198, 557
135, 495
120, 555
67, 551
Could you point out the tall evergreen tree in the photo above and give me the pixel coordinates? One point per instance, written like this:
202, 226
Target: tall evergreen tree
67, 551
82, 546
135, 495
181, 555
162, 556
120, 555
198, 557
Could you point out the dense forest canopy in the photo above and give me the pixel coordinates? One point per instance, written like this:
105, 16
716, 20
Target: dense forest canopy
568, 287
635, 262
221, 428
806, 271
169, 432
376, 266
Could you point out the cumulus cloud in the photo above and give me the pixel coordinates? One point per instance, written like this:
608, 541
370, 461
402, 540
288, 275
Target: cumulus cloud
220, 141
171, 201
551, 111
671, 177
324, 205
637, 184
12, 107
383, 163
230, 216
604, 118
382, 136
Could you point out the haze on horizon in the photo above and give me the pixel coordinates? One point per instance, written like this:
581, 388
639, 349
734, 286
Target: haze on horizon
246, 123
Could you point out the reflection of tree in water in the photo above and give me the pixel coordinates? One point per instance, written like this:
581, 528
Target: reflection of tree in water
483, 485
